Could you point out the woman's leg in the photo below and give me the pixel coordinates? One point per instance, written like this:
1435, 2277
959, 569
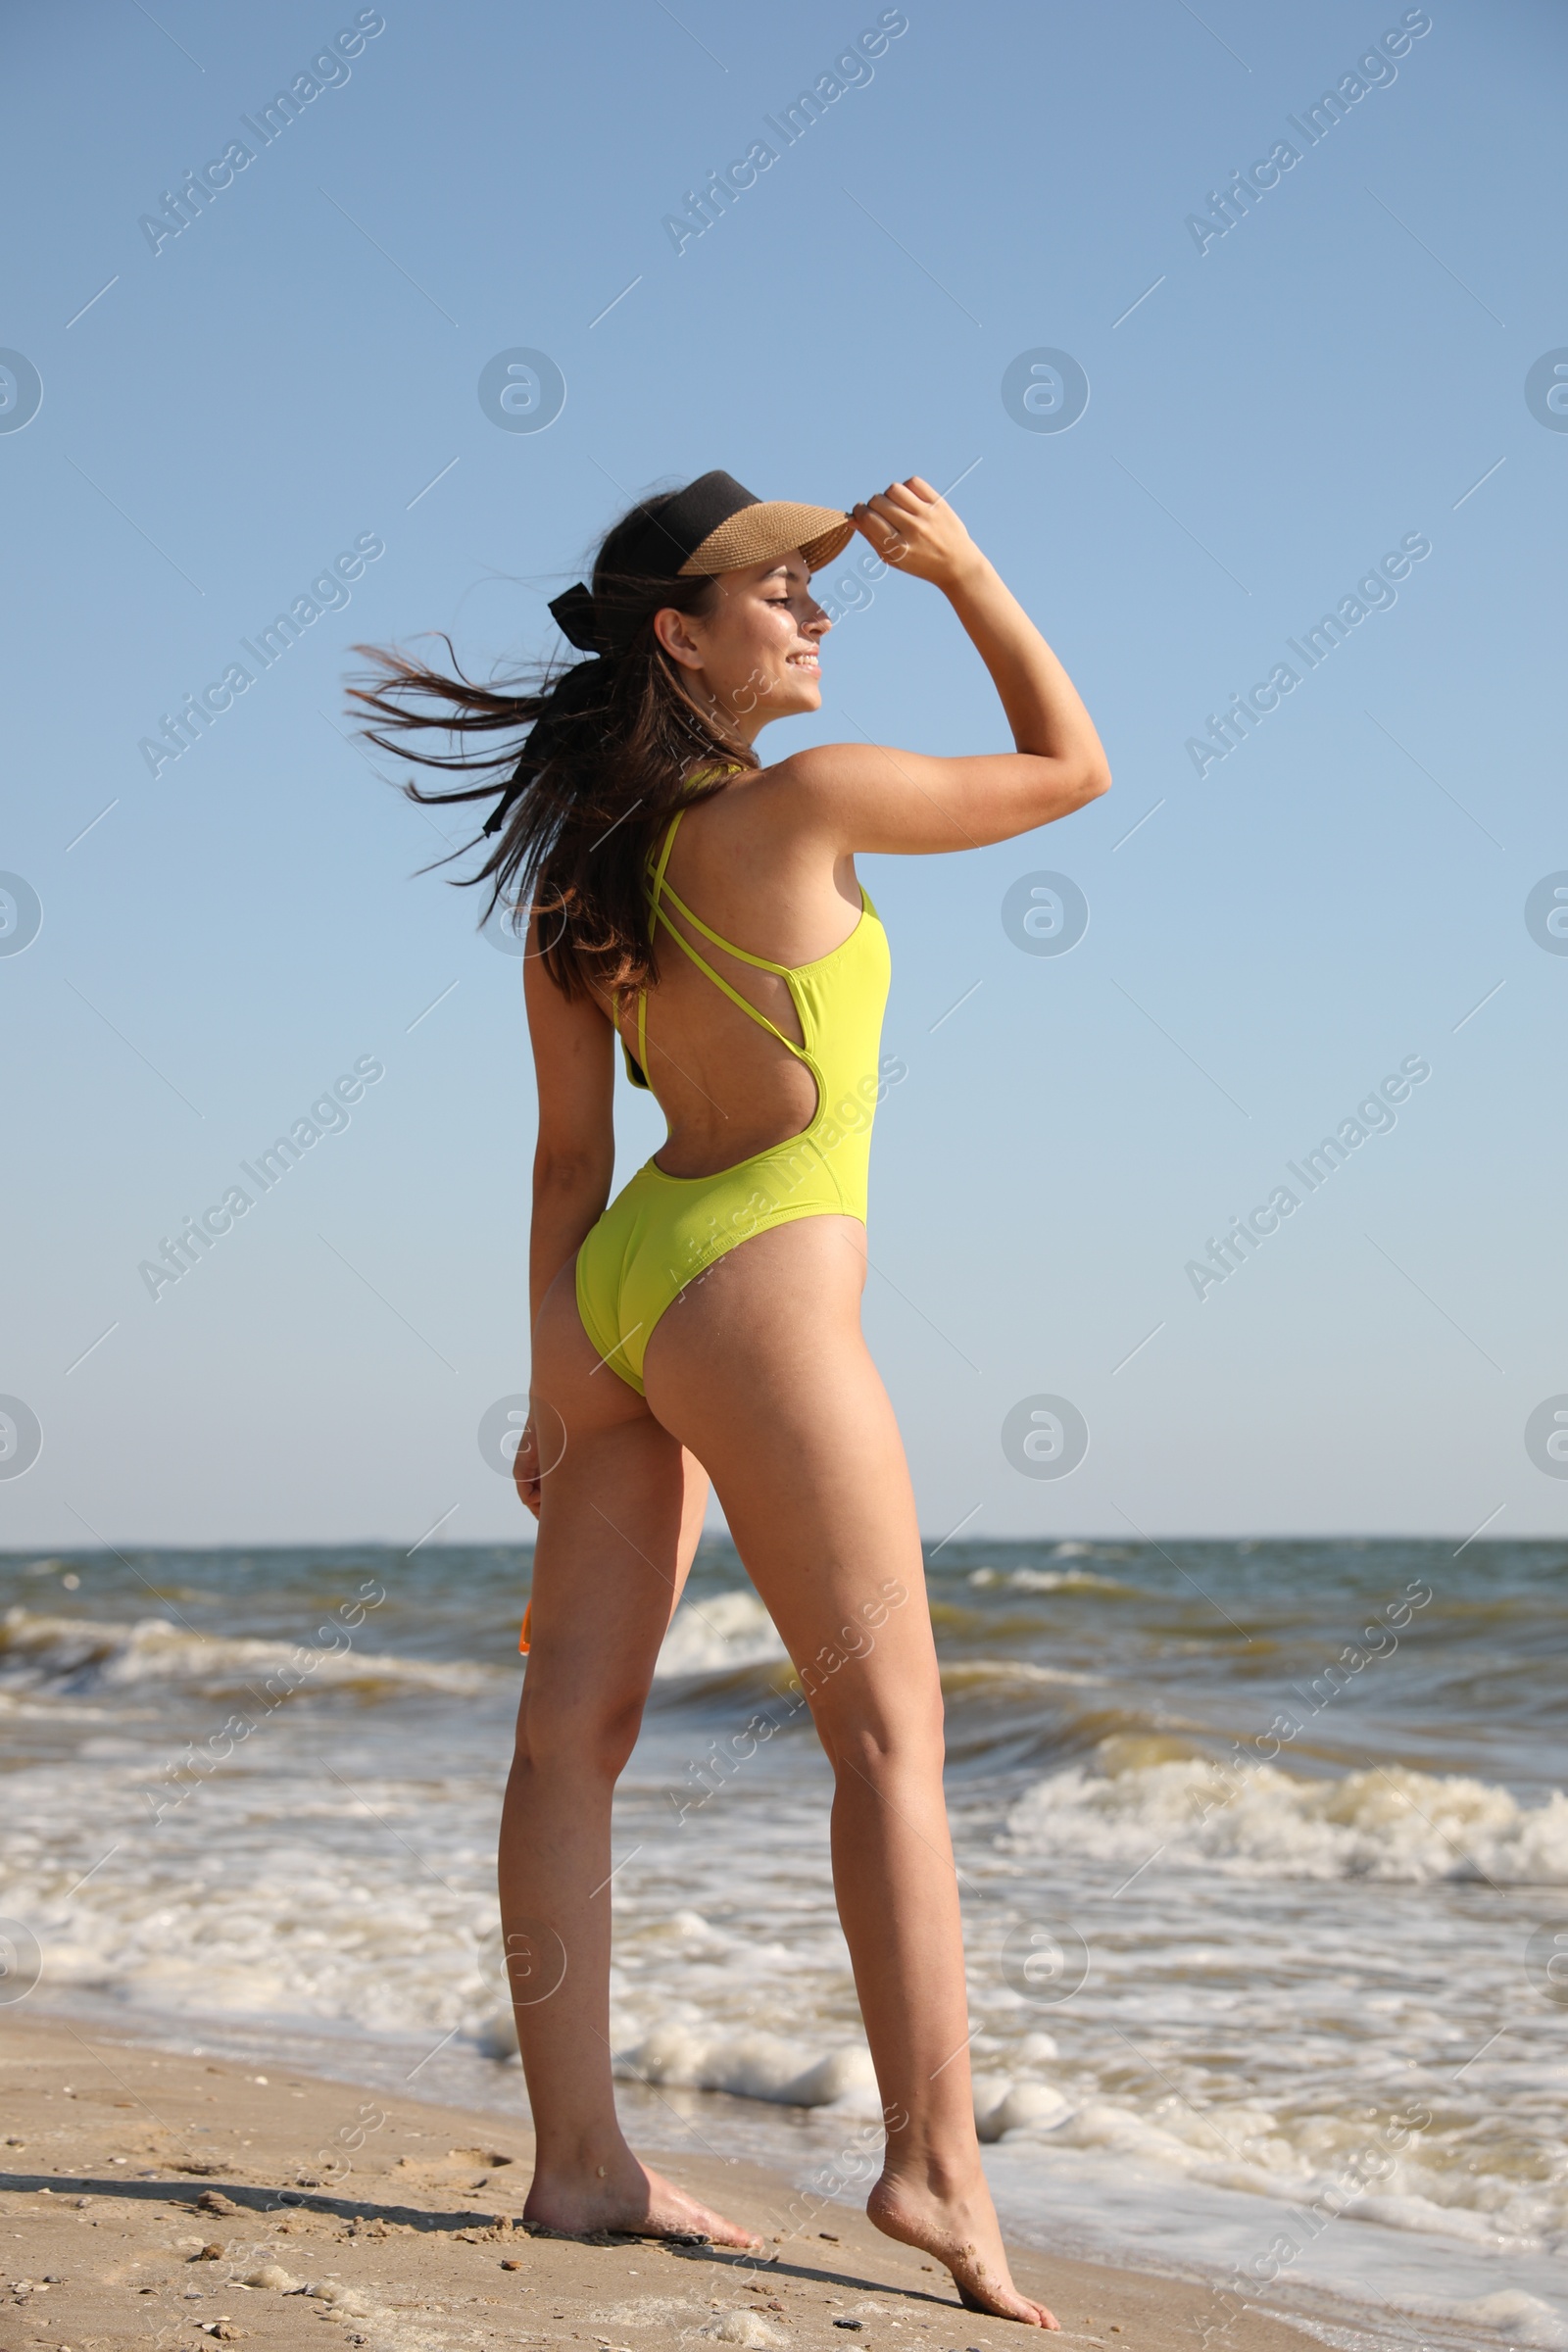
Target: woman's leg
620, 1512
762, 1370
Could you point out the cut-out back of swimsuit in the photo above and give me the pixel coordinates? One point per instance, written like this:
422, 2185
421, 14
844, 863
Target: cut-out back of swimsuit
660, 889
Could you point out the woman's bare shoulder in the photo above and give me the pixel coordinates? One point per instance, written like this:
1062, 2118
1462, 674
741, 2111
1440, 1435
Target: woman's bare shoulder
761, 853
876, 796
806, 793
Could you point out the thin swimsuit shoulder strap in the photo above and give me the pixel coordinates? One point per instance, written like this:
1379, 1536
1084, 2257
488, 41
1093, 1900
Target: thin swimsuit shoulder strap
652, 927
660, 889
742, 955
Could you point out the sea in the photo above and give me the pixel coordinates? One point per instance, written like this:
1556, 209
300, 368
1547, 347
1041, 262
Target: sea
1263, 1849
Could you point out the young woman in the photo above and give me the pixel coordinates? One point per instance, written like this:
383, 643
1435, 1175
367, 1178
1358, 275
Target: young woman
706, 1325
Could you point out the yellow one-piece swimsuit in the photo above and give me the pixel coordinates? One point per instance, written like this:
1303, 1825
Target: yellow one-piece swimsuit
662, 1231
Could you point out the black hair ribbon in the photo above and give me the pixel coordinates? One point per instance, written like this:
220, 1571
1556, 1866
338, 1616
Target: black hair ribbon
577, 690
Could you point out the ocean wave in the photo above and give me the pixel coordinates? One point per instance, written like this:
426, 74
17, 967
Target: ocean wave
973, 1674
1510, 2314
726, 1632
1046, 1580
752, 2066
72, 1657
1428, 2218
716, 1634
1003, 2105
788, 2073
1249, 2149
1393, 1824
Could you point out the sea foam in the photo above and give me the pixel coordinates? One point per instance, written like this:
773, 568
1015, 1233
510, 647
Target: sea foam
76, 1655
719, 1634
753, 2066
1394, 1824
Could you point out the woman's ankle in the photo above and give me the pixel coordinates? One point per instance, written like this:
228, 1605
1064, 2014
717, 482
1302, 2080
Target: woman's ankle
584, 2159
936, 2175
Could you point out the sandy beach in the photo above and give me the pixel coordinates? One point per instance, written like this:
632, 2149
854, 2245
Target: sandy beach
154, 2199
1276, 2056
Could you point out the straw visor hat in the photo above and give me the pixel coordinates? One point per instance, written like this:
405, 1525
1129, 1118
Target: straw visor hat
713, 525
728, 527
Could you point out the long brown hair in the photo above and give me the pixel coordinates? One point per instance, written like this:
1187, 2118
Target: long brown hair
610, 748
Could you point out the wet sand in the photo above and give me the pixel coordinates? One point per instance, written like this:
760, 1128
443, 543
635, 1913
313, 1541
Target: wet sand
150, 2199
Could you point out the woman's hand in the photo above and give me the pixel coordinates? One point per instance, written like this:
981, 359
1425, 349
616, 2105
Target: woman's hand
912, 526
526, 1467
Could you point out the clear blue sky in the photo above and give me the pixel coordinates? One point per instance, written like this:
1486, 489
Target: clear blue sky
297, 371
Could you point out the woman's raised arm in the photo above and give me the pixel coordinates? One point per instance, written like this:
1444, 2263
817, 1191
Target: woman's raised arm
872, 798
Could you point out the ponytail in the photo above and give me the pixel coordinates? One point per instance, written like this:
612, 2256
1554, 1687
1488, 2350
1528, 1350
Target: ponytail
610, 746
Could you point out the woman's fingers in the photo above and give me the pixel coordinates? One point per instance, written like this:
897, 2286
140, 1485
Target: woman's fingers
908, 513
526, 1469
912, 496
914, 531
878, 527
911, 526
893, 519
912, 501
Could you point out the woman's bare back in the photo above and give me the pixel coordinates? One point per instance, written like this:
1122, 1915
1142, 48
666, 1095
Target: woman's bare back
781, 892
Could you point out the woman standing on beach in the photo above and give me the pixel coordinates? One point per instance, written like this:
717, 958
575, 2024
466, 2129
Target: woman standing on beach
706, 1325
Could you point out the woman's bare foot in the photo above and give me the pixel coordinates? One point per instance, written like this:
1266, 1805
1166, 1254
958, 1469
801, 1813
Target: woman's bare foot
960, 2230
623, 2195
